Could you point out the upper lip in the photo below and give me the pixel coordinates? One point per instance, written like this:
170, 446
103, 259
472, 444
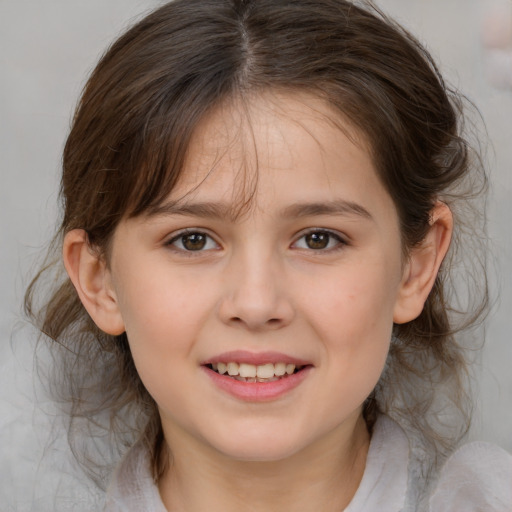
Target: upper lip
255, 358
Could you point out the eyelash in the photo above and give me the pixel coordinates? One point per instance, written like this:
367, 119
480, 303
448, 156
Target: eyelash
178, 238
340, 242
332, 236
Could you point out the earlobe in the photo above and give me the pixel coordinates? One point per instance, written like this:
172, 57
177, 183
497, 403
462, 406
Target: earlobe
423, 266
92, 280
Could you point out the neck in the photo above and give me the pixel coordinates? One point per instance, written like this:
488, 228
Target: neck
319, 477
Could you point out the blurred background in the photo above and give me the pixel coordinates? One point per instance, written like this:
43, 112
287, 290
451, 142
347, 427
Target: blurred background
47, 50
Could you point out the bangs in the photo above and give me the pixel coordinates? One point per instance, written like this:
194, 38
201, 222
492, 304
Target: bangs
168, 167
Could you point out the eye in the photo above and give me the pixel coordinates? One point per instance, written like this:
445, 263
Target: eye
318, 240
193, 241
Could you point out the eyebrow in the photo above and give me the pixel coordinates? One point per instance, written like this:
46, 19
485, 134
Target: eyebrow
218, 210
336, 207
199, 209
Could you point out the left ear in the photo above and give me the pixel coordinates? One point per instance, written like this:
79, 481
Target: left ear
424, 262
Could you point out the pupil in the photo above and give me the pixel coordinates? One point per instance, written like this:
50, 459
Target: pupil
194, 241
317, 240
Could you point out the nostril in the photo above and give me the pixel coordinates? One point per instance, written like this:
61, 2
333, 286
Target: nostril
247, 312
271, 323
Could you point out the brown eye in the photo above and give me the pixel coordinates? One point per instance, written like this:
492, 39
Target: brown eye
318, 240
193, 241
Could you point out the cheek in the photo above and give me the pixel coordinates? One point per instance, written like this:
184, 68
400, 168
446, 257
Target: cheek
158, 307
354, 318
161, 317
357, 347
357, 303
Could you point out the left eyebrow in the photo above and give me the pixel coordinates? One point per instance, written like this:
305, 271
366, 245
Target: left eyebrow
336, 207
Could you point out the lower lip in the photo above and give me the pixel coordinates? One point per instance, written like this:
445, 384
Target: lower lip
258, 391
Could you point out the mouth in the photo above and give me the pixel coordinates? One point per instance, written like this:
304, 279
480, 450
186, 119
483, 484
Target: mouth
257, 377
251, 373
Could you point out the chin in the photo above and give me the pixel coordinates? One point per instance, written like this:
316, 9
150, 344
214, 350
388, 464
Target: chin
260, 454
262, 446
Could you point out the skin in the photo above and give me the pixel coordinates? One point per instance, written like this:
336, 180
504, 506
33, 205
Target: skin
258, 286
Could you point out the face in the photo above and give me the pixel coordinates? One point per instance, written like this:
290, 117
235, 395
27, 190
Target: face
219, 302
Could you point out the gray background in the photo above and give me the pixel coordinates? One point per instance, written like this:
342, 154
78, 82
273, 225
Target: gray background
47, 49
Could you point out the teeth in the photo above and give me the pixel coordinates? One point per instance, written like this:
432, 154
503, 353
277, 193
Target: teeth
265, 371
280, 369
247, 370
252, 373
233, 369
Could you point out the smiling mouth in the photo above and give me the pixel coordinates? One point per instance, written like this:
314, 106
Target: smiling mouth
244, 372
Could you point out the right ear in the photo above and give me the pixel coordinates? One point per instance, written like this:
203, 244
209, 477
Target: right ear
91, 278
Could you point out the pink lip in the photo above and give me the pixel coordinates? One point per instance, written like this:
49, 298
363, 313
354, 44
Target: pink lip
257, 391
256, 358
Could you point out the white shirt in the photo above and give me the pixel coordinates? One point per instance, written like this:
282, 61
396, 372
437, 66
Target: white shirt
476, 478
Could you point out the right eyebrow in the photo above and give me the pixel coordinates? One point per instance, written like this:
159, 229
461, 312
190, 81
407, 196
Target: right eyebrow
200, 209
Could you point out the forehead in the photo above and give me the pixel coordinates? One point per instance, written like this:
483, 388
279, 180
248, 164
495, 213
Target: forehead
248, 151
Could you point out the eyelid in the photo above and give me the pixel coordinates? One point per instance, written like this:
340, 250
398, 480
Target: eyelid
340, 237
176, 235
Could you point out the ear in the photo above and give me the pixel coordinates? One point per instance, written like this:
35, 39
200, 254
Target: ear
424, 262
88, 272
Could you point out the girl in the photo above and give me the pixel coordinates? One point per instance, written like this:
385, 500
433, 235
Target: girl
259, 199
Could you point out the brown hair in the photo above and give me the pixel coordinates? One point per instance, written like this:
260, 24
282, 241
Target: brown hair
128, 142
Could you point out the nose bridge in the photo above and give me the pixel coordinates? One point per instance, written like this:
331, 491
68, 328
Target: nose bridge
255, 293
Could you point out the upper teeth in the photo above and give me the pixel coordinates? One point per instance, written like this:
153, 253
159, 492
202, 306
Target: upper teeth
262, 371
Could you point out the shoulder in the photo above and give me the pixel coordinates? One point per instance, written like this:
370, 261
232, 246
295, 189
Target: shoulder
132, 488
476, 477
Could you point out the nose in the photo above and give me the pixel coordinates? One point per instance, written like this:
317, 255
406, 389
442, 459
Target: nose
256, 296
